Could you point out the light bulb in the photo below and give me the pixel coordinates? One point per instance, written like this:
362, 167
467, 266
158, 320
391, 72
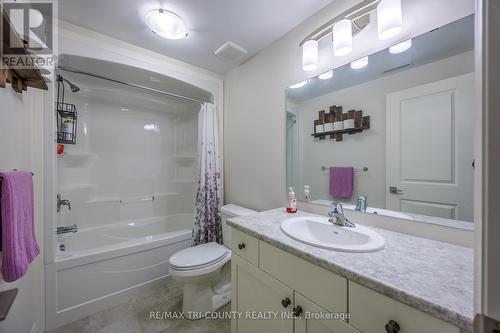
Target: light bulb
360, 63
342, 38
401, 47
310, 55
326, 75
389, 18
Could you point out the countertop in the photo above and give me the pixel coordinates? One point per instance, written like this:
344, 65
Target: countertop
434, 277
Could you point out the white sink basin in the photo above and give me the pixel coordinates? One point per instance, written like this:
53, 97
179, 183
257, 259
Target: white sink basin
319, 232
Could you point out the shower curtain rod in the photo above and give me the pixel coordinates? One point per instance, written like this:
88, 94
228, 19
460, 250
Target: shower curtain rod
134, 85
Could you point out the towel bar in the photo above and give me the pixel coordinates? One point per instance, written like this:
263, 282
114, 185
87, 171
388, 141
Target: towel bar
363, 169
1, 178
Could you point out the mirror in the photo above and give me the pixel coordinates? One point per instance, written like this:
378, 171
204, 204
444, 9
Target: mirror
398, 131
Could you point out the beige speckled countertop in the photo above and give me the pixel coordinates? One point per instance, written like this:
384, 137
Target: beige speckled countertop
431, 276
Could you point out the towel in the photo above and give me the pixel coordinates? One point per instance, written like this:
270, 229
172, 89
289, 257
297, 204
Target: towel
19, 246
341, 182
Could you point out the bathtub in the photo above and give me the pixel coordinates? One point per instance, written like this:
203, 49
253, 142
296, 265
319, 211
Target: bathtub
104, 266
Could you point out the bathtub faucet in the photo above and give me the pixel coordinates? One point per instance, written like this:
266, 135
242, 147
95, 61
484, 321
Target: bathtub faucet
62, 202
67, 229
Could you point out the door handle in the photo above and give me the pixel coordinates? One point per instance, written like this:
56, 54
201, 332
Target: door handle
395, 190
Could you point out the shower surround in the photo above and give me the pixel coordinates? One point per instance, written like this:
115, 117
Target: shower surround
130, 179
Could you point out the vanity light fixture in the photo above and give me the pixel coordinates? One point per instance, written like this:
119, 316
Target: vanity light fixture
342, 37
298, 85
310, 55
389, 19
360, 63
326, 75
348, 24
400, 47
166, 24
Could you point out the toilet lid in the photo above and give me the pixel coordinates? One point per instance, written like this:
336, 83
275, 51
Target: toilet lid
198, 256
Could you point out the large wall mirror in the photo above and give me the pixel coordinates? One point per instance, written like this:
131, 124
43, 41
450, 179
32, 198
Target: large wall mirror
399, 123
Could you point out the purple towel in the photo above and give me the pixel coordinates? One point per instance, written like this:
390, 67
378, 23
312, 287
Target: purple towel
341, 182
19, 247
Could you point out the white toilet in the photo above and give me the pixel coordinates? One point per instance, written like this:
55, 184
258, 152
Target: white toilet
205, 270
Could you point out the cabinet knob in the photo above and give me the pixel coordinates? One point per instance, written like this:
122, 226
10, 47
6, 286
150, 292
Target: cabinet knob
286, 302
241, 246
297, 311
392, 327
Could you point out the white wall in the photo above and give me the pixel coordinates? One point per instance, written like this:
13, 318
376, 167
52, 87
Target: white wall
126, 149
254, 123
18, 150
367, 148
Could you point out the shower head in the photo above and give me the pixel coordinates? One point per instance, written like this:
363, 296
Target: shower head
74, 88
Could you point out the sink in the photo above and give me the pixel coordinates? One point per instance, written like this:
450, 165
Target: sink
319, 232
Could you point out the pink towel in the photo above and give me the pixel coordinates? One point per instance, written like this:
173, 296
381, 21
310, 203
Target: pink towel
19, 247
341, 182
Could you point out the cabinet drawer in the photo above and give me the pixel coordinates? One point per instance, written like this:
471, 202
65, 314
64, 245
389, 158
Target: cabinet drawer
371, 311
245, 246
324, 288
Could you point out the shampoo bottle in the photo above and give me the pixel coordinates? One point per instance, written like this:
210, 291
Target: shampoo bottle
292, 201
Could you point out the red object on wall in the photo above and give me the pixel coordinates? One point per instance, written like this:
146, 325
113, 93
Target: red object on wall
60, 149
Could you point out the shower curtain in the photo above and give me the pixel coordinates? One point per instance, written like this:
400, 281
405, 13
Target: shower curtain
207, 220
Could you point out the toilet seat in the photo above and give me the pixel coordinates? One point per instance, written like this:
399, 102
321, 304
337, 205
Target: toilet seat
199, 259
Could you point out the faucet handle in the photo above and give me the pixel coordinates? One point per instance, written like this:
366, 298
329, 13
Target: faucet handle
337, 207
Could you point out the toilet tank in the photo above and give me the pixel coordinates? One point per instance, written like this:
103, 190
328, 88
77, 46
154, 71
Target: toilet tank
227, 212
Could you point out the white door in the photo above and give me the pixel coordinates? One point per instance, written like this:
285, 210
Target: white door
256, 294
430, 139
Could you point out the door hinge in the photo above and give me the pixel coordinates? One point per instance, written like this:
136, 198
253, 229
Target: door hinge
485, 324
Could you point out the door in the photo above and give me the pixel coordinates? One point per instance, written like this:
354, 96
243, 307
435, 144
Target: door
430, 139
315, 319
265, 304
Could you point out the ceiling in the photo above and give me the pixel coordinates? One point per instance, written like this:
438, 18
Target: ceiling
253, 25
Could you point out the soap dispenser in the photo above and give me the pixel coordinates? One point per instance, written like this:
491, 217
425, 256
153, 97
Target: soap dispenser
292, 201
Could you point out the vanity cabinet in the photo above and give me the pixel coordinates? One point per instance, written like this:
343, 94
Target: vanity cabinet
275, 291
255, 292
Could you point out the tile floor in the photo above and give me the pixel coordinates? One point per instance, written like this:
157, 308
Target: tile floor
133, 317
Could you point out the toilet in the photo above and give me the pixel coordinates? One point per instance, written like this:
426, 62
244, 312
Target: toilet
205, 270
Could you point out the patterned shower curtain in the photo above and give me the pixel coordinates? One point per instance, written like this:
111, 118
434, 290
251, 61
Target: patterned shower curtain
207, 221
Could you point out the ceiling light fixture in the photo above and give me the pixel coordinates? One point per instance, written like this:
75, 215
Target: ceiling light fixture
310, 55
298, 85
389, 18
326, 75
401, 47
360, 63
342, 37
166, 24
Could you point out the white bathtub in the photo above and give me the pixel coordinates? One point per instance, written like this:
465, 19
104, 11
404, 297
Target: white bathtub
104, 266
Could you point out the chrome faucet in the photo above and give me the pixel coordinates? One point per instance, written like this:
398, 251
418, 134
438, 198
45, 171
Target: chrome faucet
337, 217
62, 202
362, 203
66, 229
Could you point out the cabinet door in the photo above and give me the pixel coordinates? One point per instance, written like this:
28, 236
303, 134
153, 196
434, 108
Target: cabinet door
315, 319
257, 297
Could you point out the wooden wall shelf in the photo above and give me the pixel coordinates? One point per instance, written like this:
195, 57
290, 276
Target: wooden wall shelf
336, 114
20, 79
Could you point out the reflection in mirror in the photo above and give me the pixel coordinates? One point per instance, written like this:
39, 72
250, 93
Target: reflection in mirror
395, 127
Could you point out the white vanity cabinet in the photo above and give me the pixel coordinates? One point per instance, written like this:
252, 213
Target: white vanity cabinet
275, 291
